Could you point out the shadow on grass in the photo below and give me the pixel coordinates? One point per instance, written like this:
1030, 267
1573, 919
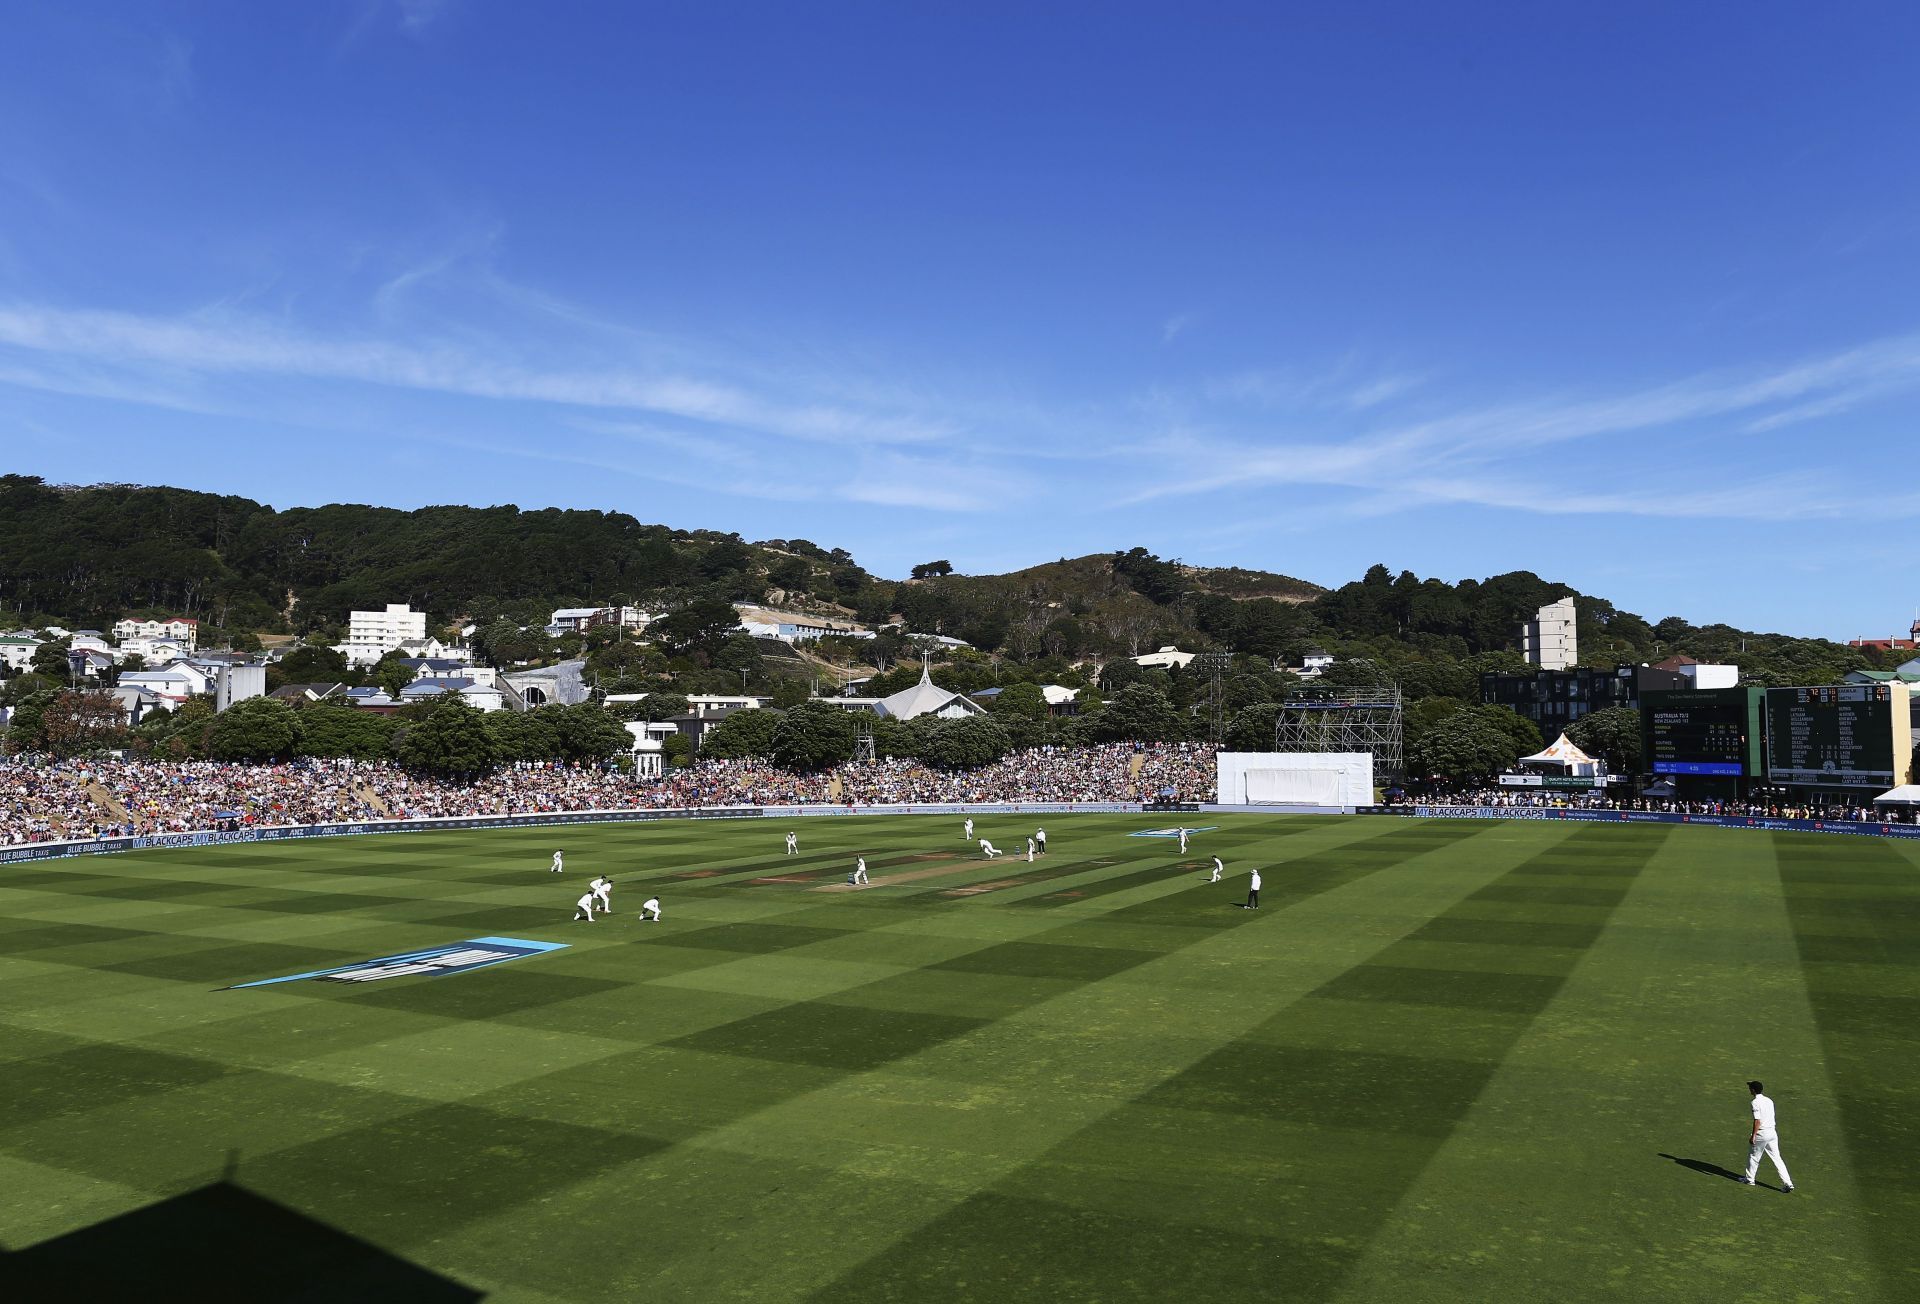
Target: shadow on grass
1702, 1166
220, 1242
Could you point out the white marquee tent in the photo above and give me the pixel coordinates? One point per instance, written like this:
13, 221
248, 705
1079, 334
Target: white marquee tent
1564, 754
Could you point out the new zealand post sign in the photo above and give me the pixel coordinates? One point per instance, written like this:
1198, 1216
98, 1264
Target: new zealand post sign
455, 957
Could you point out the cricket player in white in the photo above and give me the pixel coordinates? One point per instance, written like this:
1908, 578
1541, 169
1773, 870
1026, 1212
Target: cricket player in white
1183, 841
988, 849
603, 892
650, 907
1029, 851
1765, 1139
793, 844
555, 867
967, 828
1040, 840
860, 870
1218, 869
583, 908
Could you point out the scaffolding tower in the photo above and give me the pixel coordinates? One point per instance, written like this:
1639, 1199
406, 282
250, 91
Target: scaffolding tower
1345, 720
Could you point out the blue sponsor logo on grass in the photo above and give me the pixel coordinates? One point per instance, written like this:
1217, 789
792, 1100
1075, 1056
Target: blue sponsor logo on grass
1171, 833
455, 957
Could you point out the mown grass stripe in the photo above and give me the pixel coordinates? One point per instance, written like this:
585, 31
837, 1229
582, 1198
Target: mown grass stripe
1853, 904
1397, 1109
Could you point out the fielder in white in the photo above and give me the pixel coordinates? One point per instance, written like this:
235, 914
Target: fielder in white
987, 848
859, 871
583, 908
793, 844
650, 910
1218, 869
555, 867
1029, 851
603, 893
1183, 841
967, 828
1765, 1139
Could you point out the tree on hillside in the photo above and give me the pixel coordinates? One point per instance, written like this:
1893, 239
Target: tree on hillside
1023, 700
50, 659
929, 569
1423, 714
329, 730
792, 574
965, 744
1613, 735
453, 739
309, 664
524, 735
391, 672
741, 736
697, 629
661, 704
813, 736
588, 733
258, 729
23, 724
1141, 713
79, 723
1471, 744
1253, 729
1159, 582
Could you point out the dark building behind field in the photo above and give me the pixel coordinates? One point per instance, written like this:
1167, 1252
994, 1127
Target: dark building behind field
1554, 699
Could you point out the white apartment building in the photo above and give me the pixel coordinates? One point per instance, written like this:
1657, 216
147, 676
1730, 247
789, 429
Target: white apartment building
154, 651
16, 651
578, 620
373, 634
181, 629
1550, 640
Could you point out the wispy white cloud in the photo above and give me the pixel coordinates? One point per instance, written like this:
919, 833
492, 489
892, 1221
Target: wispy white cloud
228, 345
1483, 455
1177, 325
418, 15
1350, 383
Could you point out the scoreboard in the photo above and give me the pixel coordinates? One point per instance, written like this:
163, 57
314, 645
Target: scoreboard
1713, 731
1839, 736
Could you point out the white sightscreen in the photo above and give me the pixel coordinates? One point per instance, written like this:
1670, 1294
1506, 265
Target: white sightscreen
1294, 778
1294, 787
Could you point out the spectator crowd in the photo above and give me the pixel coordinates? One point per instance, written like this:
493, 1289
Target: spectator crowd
63, 800
58, 800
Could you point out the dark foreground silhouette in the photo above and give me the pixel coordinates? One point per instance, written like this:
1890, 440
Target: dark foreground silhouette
218, 1243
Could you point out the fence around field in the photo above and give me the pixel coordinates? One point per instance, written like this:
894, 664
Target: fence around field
1605, 815
279, 832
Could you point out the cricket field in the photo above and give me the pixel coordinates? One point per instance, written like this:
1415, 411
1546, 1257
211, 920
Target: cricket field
1451, 1060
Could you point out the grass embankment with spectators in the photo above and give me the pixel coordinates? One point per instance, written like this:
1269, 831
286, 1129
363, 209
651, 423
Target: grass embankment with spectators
1446, 1060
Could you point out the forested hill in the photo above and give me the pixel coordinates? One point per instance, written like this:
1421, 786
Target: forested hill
86, 556
90, 554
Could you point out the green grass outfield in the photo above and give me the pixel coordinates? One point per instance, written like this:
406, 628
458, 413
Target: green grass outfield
1447, 1060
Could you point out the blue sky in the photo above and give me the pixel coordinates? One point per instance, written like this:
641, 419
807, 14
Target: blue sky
1624, 294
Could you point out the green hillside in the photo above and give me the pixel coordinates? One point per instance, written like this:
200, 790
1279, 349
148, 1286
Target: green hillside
85, 556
